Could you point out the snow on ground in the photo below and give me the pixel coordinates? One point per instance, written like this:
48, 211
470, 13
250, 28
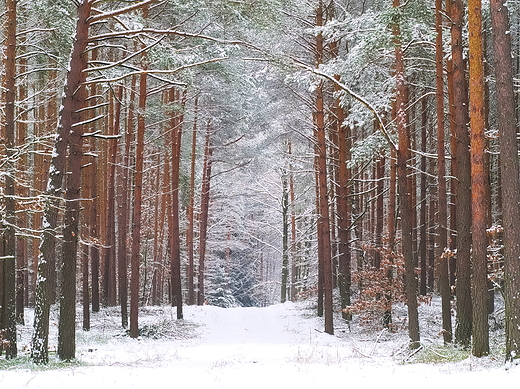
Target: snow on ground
271, 347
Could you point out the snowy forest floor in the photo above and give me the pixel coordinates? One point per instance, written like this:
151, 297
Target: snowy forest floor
278, 346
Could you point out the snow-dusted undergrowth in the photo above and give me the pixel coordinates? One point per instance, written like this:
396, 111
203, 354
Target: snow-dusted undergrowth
277, 346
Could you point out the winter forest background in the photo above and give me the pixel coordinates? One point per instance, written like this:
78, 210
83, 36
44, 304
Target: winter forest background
244, 153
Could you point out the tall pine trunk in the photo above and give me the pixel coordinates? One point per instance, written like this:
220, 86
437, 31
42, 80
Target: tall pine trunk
190, 231
9, 240
460, 149
443, 264
403, 187
323, 198
204, 213
76, 90
478, 181
510, 172
138, 195
175, 244
344, 211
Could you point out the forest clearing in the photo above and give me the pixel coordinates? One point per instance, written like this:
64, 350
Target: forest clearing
278, 346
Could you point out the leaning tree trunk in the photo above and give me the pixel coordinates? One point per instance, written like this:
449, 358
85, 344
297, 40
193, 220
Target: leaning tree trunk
510, 172
73, 101
69, 119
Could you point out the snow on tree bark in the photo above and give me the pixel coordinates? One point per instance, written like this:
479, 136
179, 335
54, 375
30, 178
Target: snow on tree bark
67, 134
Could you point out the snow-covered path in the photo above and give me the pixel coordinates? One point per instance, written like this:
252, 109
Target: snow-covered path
271, 347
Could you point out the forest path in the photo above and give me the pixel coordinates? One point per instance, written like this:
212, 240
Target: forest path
269, 348
268, 325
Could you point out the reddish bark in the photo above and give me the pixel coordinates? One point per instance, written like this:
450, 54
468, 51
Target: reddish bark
478, 181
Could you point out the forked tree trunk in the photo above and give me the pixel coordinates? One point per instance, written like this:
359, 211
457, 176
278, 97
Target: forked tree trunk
73, 102
67, 117
510, 172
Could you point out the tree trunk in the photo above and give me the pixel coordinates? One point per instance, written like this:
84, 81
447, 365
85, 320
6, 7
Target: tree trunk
423, 288
294, 258
94, 229
204, 212
74, 101
478, 181
463, 327
443, 264
405, 208
323, 198
67, 117
9, 240
285, 237
138, 194
344, 211
124, 209
509, 171
452, 234
111, 197
22, 262
190, 231
175, 244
